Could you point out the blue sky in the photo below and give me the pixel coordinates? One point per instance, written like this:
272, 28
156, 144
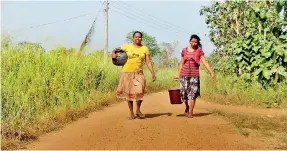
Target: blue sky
185, 14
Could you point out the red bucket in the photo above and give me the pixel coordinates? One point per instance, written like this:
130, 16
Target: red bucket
174, 96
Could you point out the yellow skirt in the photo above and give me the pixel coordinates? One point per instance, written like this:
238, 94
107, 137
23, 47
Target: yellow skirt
131, 86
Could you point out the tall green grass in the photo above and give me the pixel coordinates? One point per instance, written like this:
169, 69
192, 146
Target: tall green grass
43, 90
40, 91
232, 90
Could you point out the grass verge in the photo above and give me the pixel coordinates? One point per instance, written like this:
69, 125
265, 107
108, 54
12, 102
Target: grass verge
272, 130
229, 90
42, 91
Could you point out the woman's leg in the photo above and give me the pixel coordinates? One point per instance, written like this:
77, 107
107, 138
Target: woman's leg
138, 112
130, 103
194, 92
186, 107
183, 95
140, 89
192, 104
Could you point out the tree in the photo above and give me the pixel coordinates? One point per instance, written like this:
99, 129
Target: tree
148, 41
170, 47
166, 56
250, 38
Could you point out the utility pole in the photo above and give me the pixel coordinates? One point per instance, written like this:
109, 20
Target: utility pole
106, 30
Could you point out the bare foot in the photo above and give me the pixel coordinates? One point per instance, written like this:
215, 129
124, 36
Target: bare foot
186, 110
189, 116
132, 116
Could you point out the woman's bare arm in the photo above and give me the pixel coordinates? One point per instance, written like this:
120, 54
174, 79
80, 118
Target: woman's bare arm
150, 66
207, 66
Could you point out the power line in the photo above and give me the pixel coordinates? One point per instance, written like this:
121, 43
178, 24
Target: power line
63, 20
155, 18
145, 21
152, 18
139, 20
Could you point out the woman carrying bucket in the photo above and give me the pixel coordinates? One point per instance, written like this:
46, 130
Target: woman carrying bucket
132, 81
189, 73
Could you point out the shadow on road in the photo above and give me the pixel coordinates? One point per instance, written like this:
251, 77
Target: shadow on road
152, 115
196, 114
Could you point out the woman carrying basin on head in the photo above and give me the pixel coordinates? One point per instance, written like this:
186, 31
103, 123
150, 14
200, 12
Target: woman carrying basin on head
132, 82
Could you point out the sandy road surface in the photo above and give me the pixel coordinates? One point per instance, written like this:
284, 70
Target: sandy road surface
165, 127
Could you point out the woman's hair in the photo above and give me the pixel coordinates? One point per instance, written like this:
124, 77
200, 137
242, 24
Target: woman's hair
198, 39
137, 32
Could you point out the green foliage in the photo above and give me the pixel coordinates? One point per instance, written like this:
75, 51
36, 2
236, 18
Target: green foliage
30, 46
165, 58
148, 41
250, 37
231, 90
42, 90
266, 62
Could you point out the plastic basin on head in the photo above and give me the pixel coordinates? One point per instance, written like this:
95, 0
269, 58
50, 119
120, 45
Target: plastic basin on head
174, 96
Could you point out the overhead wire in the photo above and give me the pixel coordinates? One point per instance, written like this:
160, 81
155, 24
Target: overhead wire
141, 19
137, 10
54, 22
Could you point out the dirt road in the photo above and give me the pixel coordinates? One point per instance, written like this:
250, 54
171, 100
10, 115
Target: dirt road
165, 127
